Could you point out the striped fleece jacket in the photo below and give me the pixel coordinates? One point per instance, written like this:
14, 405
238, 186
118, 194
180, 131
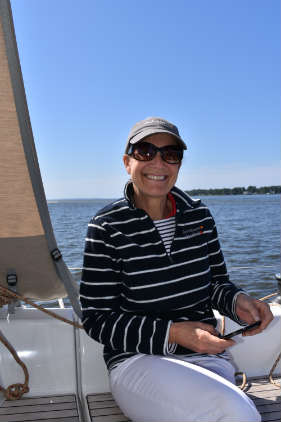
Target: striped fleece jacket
132, 290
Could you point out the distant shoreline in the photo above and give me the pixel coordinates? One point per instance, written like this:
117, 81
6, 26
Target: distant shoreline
250, 190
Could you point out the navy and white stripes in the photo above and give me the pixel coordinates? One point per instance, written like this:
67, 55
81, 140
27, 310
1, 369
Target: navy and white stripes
166, 230
133, 288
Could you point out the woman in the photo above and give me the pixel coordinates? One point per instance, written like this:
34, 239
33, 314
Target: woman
153, 272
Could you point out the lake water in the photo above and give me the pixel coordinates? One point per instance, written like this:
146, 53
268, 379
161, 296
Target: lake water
248, 227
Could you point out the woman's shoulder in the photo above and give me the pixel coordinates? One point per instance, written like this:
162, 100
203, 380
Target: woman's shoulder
116, 209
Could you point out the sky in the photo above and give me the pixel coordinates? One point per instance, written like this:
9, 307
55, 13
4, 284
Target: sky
93, 68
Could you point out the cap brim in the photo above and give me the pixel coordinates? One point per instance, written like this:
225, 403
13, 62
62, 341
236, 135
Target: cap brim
145, 133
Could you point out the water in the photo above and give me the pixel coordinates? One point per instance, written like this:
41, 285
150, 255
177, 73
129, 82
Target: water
248, 227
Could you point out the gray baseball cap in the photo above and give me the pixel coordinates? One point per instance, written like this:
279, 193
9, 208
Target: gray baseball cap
150, 126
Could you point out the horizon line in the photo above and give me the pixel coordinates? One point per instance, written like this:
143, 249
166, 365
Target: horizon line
185, 190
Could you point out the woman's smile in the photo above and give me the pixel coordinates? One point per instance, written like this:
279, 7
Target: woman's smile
156, 178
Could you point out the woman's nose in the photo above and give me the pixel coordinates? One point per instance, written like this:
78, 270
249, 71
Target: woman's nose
158, 159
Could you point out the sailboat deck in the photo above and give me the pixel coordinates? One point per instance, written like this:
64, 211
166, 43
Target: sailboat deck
40, 409
102, 407
267, 398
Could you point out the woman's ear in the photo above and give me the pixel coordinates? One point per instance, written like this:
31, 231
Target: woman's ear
126, 161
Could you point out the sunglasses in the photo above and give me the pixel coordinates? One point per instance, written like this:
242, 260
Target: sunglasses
145, 151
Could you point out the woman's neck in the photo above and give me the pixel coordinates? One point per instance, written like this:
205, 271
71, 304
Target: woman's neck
156, 208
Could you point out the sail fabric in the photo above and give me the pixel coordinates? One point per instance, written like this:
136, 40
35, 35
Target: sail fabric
26, 234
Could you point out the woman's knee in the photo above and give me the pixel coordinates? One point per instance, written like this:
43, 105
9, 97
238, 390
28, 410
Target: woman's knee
238, 408
248, 415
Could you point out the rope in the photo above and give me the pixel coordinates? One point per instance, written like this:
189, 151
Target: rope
244, 379
269, 296
5, 301
272, 370
9, 295
15, 391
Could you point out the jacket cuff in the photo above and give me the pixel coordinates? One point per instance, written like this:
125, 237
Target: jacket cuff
169, 347
172, 348
234, 301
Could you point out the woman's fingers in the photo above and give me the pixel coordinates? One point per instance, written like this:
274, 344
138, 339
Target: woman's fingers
199, 337
265, 316
208, 327
218, 345
251, 310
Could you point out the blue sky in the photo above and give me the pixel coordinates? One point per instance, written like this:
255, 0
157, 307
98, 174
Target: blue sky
93, 68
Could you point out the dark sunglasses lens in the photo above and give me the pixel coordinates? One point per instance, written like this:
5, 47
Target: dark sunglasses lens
144, 152
172, 155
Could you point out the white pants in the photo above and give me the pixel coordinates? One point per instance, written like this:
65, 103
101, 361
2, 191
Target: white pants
180, 389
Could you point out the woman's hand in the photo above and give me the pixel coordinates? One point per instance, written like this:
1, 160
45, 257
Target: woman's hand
198, 336
250, 310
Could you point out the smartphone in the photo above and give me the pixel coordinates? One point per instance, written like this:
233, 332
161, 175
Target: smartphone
241, 330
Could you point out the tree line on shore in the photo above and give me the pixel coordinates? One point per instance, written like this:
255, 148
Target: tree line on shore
250, 190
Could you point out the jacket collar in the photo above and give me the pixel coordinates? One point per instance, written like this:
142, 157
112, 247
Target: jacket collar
129, 193
183, 200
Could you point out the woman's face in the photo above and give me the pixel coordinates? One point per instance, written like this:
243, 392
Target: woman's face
153, 178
